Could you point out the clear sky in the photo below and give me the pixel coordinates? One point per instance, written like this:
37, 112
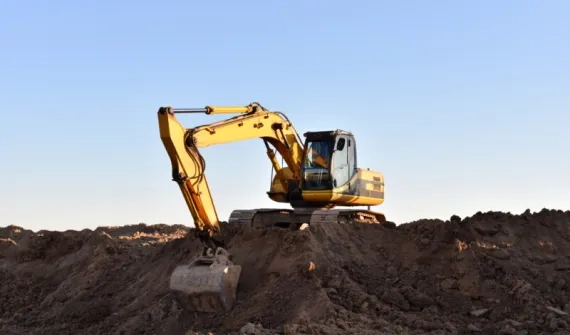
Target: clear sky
464, 106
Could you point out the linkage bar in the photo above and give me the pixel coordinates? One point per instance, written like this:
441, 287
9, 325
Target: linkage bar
189, 110
216, 110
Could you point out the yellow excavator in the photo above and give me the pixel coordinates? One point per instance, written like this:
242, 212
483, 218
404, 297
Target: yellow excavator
320, 174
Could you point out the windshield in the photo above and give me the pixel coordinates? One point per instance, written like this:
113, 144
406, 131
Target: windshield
316, 174
318, 154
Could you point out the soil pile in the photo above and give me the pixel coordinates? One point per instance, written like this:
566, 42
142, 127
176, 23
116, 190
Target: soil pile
492, 273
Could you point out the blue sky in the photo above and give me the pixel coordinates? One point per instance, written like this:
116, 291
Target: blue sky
463, 106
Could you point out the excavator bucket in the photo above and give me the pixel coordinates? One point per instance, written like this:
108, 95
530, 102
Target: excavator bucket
207, 284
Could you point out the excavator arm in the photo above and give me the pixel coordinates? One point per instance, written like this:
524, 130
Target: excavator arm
188, 172
188, 165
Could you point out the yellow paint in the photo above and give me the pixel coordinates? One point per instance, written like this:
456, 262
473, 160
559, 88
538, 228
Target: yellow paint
340, 199
182, 145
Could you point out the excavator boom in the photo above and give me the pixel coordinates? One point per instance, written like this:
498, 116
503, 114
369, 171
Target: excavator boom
318, 176
188, 165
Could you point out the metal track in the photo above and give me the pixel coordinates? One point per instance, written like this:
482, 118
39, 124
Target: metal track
293, 219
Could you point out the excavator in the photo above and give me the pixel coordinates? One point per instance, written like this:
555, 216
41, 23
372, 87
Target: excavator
315, 177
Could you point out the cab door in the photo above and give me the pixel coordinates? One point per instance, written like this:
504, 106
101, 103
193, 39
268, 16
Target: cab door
340, 162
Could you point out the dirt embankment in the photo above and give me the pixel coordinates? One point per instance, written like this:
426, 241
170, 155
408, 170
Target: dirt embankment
492, 273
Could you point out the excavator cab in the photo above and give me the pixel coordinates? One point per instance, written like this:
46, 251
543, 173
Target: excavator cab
330, 174
329, 160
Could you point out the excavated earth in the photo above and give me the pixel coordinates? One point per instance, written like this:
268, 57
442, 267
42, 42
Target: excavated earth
492, 273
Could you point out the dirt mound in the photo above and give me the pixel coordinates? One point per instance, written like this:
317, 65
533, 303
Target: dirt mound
492, 273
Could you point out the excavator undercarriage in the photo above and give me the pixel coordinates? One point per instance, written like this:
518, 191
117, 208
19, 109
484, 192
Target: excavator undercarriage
321, 174
294, 218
